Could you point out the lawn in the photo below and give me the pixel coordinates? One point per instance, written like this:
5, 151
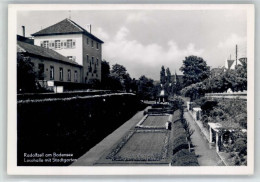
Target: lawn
143, 146
158, 120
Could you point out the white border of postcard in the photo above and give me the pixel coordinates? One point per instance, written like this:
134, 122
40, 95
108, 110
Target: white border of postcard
12, 167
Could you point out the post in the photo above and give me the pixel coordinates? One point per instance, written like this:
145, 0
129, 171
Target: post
217, 146
210, 135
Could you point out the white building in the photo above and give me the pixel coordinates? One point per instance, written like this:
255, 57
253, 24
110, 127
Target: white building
71, 40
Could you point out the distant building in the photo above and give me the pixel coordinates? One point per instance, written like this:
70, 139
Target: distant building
231, 64
177, 79
77, 44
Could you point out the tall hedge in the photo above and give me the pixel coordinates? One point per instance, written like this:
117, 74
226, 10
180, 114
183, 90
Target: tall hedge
70, 125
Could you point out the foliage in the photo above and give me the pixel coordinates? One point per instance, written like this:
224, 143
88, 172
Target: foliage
146, 88
119, 73
194, 70
184, 158
168, 76
235, 79
26, 76
230, 113
162, 76
179, 143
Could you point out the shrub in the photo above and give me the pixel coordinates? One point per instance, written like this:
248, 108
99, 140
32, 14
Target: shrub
180, 143
184, 158
176, 116
240, 146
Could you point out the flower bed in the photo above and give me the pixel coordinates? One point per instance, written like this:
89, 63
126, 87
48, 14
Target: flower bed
142, 145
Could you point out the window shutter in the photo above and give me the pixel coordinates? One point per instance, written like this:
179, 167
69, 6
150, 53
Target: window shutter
73, 43
52, 44
64, 44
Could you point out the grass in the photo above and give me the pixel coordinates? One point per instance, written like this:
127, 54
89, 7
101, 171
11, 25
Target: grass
156, 120
142, 146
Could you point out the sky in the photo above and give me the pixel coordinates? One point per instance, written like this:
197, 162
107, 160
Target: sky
143, 41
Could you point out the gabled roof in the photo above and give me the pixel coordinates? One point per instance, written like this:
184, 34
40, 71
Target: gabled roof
230, 63
43, 52
65, 26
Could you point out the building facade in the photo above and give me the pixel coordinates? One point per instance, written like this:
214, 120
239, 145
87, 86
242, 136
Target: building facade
50, 65
77, 44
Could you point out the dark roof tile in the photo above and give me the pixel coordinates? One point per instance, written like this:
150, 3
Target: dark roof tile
65, 26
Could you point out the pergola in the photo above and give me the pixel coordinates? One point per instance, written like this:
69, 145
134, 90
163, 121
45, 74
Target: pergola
219, 134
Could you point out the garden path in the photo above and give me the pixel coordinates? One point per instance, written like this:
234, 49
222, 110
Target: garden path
207, 155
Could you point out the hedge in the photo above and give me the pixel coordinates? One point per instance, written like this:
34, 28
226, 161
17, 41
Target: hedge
184, 158
70, 125
179, 143
176, 116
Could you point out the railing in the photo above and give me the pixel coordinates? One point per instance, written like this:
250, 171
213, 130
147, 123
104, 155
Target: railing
238, 95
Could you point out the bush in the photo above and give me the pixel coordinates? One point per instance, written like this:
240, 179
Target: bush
176, 116
240, 146
180, 143
184, 158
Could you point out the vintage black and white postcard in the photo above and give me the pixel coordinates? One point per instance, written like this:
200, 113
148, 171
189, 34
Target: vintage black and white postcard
131, 89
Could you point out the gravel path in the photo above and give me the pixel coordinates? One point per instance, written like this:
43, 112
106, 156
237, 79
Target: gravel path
207, 155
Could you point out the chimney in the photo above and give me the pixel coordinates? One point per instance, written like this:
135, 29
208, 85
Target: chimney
23, 28
89, 25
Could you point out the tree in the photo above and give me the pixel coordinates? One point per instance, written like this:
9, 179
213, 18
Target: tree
145, 88
26, 76
162, 76
168, 76
194, 70
119, 72
105, 67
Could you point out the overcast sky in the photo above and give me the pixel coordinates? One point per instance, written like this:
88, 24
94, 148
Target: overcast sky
143, 41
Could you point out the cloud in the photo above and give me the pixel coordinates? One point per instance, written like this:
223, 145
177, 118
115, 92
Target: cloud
102, 34
228, 47
232, 41
137, 17
135, 55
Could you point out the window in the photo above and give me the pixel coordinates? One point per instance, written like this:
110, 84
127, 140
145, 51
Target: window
69, 75
87, 41
92, 60
69, 43
64, 44
57, 44
76, 76
73, 43
41, 71
46, 44
52, 73
72, 58
51, 44
92, 43
97, 61
61, 74
87, 59
97, 46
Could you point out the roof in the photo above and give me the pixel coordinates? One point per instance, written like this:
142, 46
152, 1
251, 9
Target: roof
230, 63
65, 26
25, 39
43, 52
